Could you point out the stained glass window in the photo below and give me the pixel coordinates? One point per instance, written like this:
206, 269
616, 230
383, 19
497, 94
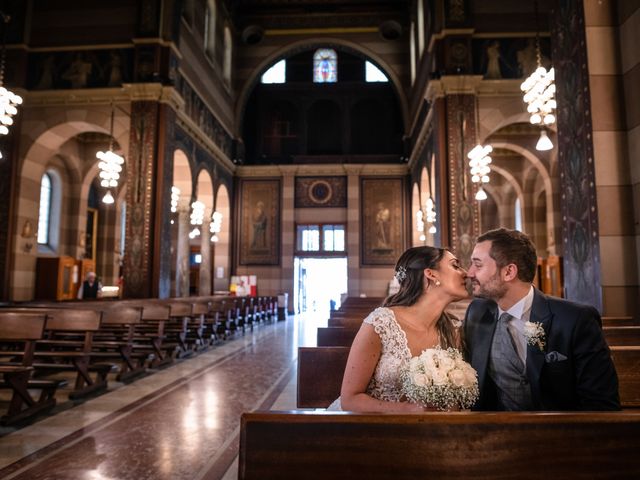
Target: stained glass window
325, 66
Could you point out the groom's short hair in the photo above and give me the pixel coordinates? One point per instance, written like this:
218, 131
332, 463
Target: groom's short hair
512, 246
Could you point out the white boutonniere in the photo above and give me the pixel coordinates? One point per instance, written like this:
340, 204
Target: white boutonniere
534, 333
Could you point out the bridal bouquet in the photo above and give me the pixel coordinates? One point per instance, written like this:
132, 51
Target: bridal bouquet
441, 379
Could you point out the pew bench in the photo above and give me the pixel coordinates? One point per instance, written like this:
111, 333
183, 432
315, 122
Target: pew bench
18, 334
479, 445
320, 372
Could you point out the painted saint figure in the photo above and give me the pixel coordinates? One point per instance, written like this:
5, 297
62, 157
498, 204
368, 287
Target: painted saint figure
259, 226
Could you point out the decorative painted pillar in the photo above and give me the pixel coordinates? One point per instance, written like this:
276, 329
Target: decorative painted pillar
139, 168
580, 240
204, 285
147, 264
455, 107
182, 251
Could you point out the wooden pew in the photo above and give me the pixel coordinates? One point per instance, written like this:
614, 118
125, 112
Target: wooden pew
434, 446
629, 335
627, 362
320, 372
23, 329
335, 336
68, 346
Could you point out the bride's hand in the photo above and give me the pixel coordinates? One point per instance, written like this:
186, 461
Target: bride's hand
417, 408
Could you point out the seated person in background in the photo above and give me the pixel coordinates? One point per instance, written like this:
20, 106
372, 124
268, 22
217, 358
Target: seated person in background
410, 321
90, 288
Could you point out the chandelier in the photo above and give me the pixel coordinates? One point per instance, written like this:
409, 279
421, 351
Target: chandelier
216, 226
539, 94
197, 217
9, 101
479, 161
110, 167
431, 214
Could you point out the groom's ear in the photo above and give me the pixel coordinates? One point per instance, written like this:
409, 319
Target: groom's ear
509, 272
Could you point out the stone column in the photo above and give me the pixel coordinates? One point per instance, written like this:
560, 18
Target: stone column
204, 285
182, 251
580, 238
353, 232
288, 234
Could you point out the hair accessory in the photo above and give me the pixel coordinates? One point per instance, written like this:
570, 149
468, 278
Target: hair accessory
401, 274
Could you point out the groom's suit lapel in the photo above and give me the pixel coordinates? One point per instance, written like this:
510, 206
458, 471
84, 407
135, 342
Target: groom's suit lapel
486, 327
540, 313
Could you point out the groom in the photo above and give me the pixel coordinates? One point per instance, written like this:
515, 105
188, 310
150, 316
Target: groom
532, 352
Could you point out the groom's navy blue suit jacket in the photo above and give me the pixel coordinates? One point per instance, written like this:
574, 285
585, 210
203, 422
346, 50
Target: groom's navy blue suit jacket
575, 370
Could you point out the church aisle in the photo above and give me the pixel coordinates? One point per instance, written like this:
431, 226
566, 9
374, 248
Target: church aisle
178, 423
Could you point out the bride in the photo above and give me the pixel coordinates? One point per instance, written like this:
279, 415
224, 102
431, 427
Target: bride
410, 321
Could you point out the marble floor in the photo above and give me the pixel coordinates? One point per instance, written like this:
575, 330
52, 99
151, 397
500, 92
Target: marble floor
181, 422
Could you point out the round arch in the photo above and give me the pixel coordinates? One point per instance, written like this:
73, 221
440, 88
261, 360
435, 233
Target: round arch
222, 252
311, 44
415, 208
42, 139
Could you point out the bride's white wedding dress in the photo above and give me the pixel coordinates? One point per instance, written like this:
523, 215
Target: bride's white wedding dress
385, 382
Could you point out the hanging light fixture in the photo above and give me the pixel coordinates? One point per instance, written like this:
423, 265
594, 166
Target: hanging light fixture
544, 142
110, 166
539, 94
216, 226
9, 101
431, 214
479, 161
197, 217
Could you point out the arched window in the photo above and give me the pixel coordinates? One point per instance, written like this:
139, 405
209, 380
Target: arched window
210, 29
518, 215
226, 65
325, 66
276, 74
49, 213
44, 215
373, 73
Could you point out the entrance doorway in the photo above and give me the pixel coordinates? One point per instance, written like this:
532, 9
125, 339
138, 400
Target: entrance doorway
319, 282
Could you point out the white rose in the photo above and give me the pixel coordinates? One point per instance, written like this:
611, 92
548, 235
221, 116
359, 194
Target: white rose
447, 363
457, 377
440, 377
414, 364
420, 379
428, 359
470, 376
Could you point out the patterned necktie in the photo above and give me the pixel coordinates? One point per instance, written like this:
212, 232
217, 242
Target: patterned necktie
507, 344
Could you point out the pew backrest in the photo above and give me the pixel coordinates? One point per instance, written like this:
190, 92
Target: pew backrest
320, 372
434, 446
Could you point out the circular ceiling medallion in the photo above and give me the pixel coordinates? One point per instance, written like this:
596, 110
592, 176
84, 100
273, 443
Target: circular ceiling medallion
320, 192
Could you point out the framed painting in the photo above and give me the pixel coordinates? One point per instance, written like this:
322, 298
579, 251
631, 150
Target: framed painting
382, 220
259, 239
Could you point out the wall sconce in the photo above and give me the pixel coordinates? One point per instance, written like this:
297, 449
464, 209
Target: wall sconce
27, 233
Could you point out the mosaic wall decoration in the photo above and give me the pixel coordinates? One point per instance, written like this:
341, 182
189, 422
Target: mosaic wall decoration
80, 69
321, 192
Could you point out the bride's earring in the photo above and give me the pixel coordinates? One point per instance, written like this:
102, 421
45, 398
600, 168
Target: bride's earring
437, 283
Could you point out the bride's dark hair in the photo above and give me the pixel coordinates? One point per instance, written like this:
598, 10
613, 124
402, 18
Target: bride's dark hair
410, 274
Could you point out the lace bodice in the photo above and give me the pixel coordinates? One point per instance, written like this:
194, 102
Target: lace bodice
385, 382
